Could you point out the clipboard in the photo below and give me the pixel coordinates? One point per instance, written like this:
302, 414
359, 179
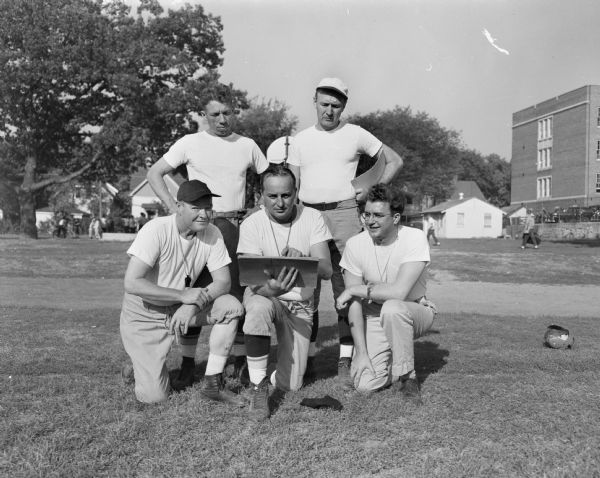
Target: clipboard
371, 176
252, 269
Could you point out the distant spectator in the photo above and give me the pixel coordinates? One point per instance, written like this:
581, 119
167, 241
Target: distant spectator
529, 230
62, 226
431, 231
76, 226
141, 221
131, 224
95, 230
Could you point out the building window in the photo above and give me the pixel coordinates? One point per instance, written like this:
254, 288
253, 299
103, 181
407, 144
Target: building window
598, 120
544, 187
598, 150
487, 219
598, 182
545, 128
544, 159
460, 219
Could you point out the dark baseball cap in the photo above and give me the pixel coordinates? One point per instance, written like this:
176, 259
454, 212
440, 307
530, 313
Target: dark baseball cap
193, 192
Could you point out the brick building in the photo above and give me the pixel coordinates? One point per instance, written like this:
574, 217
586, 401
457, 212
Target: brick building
556, 152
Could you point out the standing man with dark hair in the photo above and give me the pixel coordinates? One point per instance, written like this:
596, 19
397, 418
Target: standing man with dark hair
166, 257
324, 158
384, 269
281, 228
529, 230
220, 158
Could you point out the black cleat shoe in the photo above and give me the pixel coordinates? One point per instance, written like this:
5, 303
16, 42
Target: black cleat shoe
214, 389
344, 376
259, 400
185, 377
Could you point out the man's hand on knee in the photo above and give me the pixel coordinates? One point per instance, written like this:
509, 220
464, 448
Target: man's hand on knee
184, 317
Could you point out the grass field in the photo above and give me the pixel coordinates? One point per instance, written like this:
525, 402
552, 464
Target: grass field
496, 402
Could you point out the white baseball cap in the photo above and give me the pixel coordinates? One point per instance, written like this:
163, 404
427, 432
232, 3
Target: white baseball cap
278, 150
334, 84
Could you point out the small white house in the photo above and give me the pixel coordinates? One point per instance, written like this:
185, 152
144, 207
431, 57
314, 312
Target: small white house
515, 214
143, 198
465, 218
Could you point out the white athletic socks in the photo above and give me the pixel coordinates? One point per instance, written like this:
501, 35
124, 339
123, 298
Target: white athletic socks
216, 364
346, 351
188, 350
257, 368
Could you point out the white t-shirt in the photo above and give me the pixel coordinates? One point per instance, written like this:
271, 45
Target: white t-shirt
219, 162
377, 264
328, 161
159, 245
307, 229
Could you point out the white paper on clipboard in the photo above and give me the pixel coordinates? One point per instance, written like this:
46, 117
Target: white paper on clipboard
371, 176
252, 269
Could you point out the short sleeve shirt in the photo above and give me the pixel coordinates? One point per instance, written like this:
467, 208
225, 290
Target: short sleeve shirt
171, 257
261, 236
377, 264
328, 161
219, 162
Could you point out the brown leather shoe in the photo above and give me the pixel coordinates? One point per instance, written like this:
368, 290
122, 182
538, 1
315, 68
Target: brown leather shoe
259, 400
214, 389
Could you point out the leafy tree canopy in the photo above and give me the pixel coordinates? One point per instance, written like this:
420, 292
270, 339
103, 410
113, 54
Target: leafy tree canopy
88, 89
434, 157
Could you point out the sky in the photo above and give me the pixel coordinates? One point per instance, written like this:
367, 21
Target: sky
468, 63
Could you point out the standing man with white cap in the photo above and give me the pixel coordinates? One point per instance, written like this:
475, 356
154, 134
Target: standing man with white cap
324, 158
220, 158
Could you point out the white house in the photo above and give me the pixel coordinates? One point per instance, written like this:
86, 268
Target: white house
143, 198
515, 214
465, 218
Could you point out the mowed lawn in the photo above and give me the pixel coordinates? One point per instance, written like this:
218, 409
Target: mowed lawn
496, 402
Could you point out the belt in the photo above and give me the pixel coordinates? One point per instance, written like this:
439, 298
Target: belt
326, 206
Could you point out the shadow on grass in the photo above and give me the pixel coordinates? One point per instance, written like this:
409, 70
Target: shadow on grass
579, 242
429, 357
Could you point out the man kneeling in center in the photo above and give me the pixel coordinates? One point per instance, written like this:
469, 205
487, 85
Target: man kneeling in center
384, 272
166, 257
281, 228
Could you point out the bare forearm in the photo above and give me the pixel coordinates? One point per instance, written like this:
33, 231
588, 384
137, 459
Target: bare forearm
379, 292
150, 291
393, 164
218, 288
357, 326
158, 185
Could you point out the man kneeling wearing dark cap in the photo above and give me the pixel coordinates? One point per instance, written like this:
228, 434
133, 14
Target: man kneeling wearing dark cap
159, 303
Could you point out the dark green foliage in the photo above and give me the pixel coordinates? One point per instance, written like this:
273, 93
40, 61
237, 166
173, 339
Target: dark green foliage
88, 90
434, 156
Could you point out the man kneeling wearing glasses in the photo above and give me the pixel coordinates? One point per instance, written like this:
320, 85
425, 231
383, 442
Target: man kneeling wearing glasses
384, 272
166, 257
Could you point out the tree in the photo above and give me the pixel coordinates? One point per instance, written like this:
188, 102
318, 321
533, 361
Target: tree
429, 151
88, 90
491, 173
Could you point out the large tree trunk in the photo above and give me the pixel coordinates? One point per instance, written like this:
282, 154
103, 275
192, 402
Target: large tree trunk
26, 195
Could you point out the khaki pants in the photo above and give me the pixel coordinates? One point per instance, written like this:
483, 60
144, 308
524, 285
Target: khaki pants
293, 325
147, 340
390, 341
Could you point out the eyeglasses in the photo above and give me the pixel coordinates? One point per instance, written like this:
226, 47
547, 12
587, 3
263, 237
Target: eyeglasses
377, 216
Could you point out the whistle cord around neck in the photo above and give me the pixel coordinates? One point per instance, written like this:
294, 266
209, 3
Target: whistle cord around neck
275, 239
